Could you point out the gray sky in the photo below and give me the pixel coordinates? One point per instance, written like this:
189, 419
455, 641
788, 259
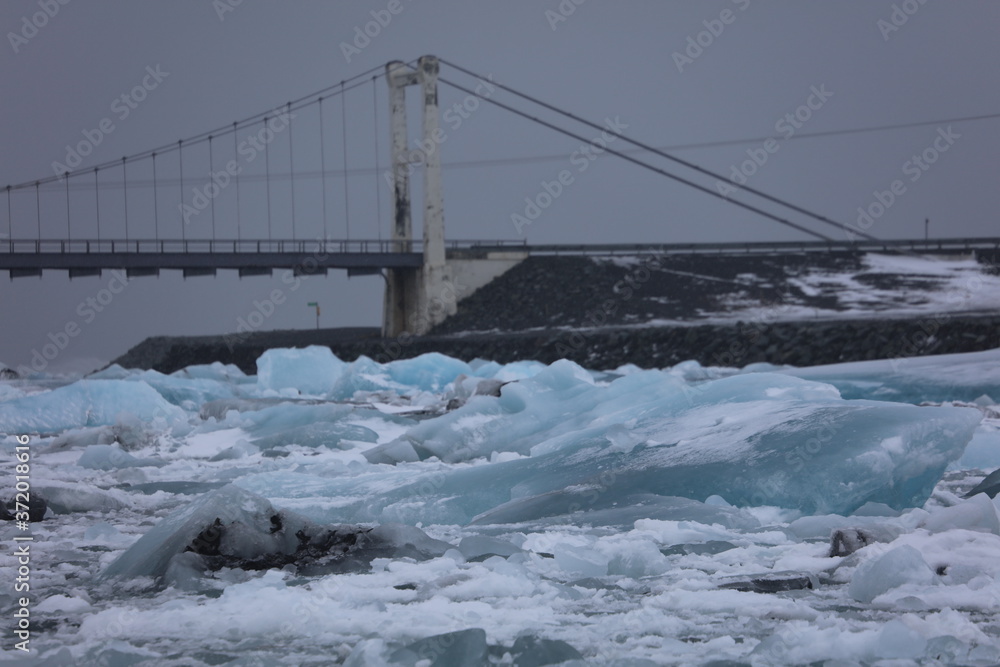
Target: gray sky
633, 61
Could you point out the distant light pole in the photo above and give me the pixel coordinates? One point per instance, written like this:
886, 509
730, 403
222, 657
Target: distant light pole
927, 229
314, 304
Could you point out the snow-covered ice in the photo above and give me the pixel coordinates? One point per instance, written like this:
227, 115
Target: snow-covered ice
433, 511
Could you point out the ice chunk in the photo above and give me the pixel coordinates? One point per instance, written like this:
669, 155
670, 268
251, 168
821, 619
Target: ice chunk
186, 392
532, 651
465, 648
637, 560
112, 457
364, 375
312, 370
983, 451
8, 392
306, 425
229, 373
947, 377
81, 437
231, 527
65, 498
85, 403
229, 520
977, 513
477, 546
581, 505
64, 603
113, 372
516, 370
899, 566
772, 582
241, 449
895, 640
427, 372
753, 439
102, 530
203, 383
580, 562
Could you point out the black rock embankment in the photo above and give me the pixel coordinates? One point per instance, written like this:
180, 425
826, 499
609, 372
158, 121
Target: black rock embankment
801, 309
797, 343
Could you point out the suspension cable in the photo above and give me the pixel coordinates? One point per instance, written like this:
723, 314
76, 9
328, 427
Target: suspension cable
322, 160
156, 207
97, 198
343, 132
299, 103
291, 165
125, 195
378, 188
69, 228
211, 176
267, 179
236, 177
645, 165
38, 211
180, 153
10, 220
664, 154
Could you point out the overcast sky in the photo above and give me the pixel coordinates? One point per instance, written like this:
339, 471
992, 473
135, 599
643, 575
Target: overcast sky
674, 74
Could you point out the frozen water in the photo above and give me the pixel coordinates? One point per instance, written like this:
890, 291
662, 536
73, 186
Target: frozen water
758, 439
85, 403
676, 517
428, 372
112, 457
977, 513
229, 373
948, 377
230, 527
312, 370
983, 451
150, 556
899, 566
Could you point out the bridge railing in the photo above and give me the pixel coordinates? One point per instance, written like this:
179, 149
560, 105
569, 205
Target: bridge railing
231, 246
888, 245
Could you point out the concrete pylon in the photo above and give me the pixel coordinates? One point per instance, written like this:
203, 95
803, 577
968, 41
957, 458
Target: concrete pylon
416, 300
400, 286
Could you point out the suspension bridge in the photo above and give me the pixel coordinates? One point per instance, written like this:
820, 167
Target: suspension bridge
259, 209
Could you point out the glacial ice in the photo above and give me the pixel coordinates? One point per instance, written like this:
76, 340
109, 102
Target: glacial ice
112, 457
760, 439
901, 565
86, 403
229, 373
427, 372
683, 516
947, 377
977, 513
230, 527
312, 370
309, 425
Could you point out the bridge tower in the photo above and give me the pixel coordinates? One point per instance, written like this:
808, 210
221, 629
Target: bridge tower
416, 300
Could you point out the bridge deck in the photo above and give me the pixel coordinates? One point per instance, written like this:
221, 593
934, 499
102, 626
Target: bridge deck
254, 257
200, 257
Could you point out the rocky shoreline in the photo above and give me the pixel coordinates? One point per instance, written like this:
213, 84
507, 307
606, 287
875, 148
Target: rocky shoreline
798, 343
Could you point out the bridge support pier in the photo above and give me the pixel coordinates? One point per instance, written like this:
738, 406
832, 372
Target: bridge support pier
416, 300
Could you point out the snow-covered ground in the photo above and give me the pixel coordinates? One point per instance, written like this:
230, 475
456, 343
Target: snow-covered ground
433, 512
882, 286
